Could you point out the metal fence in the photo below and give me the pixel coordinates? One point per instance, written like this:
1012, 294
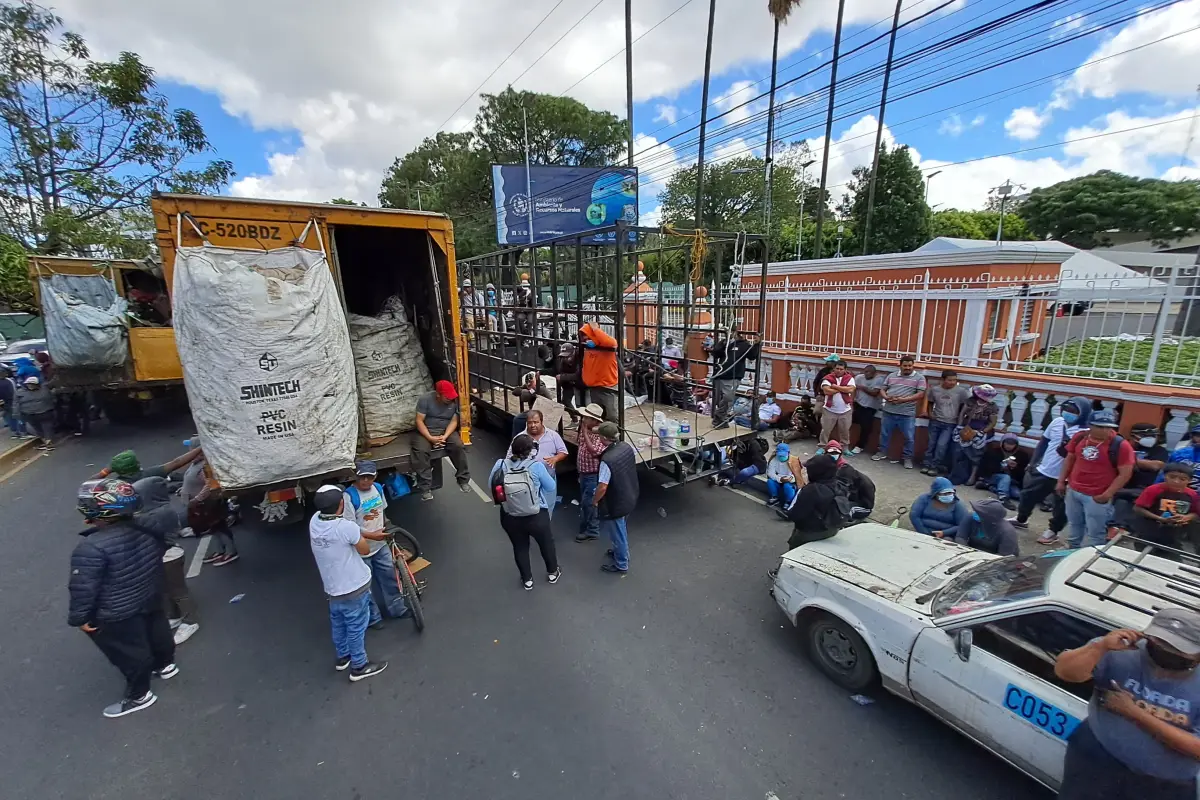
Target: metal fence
1136, 327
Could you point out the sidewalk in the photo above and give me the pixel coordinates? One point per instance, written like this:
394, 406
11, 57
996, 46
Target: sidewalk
13, 451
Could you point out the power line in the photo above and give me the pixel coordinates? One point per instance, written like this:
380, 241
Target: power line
498, 66
556, 42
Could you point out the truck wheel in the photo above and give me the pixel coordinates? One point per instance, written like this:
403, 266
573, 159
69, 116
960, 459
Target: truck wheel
840, 652
121, 409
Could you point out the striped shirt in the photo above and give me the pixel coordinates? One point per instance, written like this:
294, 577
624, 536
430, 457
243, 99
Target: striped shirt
591, 447
910, 387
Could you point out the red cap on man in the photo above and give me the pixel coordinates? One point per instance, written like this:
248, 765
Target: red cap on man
446, 389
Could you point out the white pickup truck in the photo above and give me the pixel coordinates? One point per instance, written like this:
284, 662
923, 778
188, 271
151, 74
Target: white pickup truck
969, 636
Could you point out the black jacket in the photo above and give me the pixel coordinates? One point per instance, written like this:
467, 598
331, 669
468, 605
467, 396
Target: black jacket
116, 572
736, 353
622, 494
859, 488
993, 464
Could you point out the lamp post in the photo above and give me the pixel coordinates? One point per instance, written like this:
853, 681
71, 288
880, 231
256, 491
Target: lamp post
928, 180
803, 191
1003, 191
841, 230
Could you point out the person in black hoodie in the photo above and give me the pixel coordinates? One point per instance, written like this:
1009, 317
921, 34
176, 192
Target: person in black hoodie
116, 591
1002, 470
729, 367
815, 515
749, 459
987, 529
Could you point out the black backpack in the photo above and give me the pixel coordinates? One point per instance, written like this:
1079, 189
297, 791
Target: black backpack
1114, 447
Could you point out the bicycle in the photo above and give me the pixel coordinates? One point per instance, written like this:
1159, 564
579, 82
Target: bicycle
405, 549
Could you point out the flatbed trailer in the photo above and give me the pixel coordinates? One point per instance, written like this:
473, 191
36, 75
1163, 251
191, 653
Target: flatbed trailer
573, 281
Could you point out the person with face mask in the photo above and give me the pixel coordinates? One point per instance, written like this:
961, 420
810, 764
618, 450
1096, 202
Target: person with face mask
783, 476
939, 512
1188, 452
859, 488
1048, 456
1140, 736
988, 530
1150, 457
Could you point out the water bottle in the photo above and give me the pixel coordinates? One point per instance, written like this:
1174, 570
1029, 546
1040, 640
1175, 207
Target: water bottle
685, 433
673, 432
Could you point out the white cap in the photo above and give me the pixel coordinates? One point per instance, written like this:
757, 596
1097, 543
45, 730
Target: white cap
32, 380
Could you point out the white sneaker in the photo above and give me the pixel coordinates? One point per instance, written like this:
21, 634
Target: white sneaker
185, 632
1048, 537
855, 451
174, 623
186, 533
167, 672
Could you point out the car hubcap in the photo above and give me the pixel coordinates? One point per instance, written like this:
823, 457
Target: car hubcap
837, 648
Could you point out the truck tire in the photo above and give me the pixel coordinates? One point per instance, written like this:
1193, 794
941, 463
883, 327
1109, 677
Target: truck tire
839, 652
121, 409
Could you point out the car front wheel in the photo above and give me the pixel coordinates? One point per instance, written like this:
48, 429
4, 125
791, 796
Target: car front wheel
840, 652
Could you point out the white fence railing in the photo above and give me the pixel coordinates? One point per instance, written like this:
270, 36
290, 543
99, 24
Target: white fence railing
1120, 326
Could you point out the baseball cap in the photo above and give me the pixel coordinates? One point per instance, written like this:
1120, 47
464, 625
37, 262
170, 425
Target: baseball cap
1195, 429
833, 446
1178, 628
327, 499
467, 283
446, 389
1103, 419
609, 430
833, 357
364, 468
32, 380
592, 410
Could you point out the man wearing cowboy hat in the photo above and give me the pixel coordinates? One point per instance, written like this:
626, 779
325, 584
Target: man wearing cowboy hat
587, 462
1139, 739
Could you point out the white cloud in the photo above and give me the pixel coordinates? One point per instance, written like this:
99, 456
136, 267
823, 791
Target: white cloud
668, 114
1064, 26
366, 84
954, 125
1025, 123
735, 101
1129, 144
1166, 69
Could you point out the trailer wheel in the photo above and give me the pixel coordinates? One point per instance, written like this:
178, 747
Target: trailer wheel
121, 409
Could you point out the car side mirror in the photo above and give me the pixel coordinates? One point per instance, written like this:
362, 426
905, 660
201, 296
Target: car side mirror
963, 639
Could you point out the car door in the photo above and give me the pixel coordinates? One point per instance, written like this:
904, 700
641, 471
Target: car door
1004, 693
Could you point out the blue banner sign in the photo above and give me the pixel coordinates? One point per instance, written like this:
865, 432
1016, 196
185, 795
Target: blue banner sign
566, 201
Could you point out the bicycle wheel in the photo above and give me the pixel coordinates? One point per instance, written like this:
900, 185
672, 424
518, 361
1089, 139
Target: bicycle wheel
412, 598
406, 541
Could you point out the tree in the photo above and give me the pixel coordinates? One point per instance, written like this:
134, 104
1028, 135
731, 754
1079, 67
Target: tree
1083, 211
87, 140
341, 201
453, 170
978, 225
900, 222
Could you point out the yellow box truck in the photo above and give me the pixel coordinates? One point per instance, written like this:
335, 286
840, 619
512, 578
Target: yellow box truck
257, 328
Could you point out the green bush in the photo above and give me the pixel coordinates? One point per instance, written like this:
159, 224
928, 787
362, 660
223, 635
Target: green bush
1096, 358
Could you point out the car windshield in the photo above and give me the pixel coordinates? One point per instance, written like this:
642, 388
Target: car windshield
993, 583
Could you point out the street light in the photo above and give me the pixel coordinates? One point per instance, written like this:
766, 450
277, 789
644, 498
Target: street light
1003, 191
841, 229
803, 187
928, 180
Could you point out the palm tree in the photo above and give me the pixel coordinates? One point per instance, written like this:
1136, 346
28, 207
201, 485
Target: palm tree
780, 10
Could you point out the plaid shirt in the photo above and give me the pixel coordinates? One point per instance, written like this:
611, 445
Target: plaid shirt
591, 447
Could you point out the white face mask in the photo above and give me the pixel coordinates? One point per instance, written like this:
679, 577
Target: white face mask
1147, 441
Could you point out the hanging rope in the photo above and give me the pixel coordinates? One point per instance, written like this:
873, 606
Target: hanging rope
699, 249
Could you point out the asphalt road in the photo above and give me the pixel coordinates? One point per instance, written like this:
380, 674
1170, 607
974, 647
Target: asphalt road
678, 680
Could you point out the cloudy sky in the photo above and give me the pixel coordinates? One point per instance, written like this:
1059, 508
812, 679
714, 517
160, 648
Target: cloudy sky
312, 103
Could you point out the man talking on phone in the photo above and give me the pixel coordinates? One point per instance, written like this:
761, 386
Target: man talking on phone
1140, 739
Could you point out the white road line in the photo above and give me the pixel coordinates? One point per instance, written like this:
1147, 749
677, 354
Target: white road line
198, 557
756, 498
482, 494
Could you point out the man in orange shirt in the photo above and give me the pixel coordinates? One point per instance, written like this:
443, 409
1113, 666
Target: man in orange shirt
600, 371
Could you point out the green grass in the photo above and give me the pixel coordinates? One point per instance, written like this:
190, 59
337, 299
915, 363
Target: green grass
1132, 356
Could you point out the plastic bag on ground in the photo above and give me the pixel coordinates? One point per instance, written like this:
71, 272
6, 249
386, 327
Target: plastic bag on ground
85, 321
267, 363
392, 373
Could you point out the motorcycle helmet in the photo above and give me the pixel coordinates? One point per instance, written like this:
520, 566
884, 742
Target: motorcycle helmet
108, 498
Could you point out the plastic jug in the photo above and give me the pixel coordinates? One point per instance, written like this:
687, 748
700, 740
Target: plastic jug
673, 433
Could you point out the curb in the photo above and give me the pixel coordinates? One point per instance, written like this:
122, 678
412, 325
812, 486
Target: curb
15, 454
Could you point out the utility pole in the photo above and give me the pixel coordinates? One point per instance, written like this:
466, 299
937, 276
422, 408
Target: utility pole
1003, 191
528, 181
928, 180
712, 13
837, 49
769, 158
629, 74
887, 78
803, 191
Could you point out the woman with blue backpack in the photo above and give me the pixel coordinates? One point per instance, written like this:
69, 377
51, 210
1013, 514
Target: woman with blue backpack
526, 490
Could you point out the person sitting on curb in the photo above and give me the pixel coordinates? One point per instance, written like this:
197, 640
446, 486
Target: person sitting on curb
939, 512
784, 477
1002, 470
988, 530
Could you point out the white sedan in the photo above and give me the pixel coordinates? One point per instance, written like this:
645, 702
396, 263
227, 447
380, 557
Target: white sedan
969, 636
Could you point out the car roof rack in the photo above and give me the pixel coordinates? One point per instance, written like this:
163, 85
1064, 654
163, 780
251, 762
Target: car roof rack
1120, 575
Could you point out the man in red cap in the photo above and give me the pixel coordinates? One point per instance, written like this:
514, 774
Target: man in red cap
437, 426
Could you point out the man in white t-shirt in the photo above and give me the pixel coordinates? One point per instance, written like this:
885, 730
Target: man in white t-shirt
338, 546
838, 390
365, 505
769, 413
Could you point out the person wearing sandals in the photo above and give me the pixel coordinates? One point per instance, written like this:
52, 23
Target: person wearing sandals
976, 421
525, 489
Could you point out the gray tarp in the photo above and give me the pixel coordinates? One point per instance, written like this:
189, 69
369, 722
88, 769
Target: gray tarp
85, 321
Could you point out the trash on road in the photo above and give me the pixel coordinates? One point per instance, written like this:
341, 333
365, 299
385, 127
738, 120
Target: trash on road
662, 512
237, 598
574, 502
861, 699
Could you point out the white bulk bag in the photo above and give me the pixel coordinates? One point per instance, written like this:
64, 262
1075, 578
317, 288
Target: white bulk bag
266, 361
85, 321
392, 373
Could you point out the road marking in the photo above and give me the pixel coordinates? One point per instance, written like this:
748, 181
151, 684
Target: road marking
20, 466
482, 494
198, 557
745, 494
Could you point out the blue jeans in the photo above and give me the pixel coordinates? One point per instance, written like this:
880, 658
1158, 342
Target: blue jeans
589, 523
897, 422
1088, 519
745, 423
383, 578
1002, 484
743, 475
788, 490
14, 423
349, 619
939, 441
618, 534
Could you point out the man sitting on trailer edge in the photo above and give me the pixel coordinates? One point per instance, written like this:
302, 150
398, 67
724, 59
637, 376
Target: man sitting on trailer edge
600, 369
437, 426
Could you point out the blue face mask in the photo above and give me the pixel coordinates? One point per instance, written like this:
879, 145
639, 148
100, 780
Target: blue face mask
835, 456
783, 456
1070, 418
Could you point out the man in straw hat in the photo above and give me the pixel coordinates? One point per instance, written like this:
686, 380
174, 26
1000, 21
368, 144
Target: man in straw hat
587, 463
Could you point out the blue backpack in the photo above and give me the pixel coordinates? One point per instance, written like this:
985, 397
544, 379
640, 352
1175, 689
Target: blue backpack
356, 498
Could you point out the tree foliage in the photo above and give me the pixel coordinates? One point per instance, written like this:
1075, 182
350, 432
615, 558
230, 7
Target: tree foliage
978, 225
1083, 211
341, 201
87, 140
900, 222
453, 170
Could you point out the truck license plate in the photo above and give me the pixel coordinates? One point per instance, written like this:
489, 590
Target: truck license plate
1039, 713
